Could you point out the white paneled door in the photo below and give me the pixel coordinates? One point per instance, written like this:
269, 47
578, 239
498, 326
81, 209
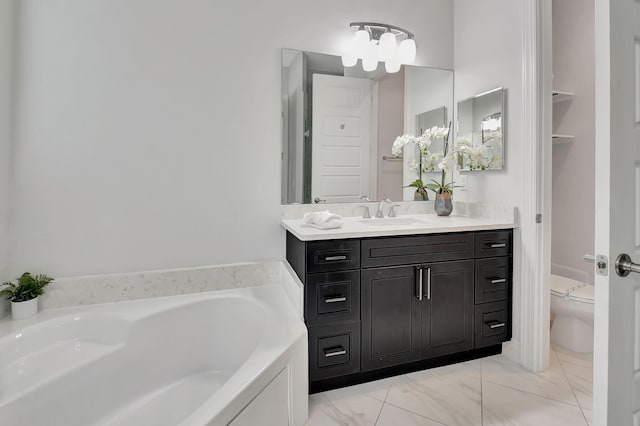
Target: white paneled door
340, 138
617, 323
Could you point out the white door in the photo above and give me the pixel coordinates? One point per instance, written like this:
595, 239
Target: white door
617, 308
340, 138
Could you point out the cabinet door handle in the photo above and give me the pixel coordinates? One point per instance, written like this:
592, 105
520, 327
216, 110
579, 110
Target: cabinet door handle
328, 353
497, 280
495, 324
428, 283
335, 299
334, 258
497, 245
419, 284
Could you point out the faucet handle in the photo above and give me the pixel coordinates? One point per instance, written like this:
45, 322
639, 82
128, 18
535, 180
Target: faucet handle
392, 210
365, 214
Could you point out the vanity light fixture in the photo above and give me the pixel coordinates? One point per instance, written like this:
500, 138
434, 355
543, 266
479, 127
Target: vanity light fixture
374, 42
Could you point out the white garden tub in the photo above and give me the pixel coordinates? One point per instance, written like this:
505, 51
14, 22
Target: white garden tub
224, 357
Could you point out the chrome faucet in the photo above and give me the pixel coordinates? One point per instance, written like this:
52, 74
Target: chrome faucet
381, 204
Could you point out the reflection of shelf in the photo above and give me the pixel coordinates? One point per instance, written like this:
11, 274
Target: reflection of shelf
562, 138
559, 96
387, 158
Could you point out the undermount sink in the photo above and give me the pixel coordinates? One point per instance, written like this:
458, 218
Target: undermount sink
391, 221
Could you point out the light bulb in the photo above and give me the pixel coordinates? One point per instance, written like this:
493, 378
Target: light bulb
370, 59
407, 51
387, 46
392, 66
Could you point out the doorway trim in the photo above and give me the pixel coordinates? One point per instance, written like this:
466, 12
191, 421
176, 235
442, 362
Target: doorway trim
535, 255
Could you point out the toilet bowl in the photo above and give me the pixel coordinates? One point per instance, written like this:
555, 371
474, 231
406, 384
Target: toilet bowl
571, 314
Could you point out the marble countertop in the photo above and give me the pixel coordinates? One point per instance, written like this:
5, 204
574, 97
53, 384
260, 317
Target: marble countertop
414, 224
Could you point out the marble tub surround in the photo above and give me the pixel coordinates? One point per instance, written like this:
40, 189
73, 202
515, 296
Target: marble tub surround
489, 391
95, 289
406, 224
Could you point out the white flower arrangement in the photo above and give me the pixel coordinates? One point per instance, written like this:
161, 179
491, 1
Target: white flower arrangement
480, 157
429, 161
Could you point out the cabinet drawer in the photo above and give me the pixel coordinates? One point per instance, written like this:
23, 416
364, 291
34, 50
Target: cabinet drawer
420, 249
334, 255
334, 350
493, 279
493, 244
492, 324
332, 297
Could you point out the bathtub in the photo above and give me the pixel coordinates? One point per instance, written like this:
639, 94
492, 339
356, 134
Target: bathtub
227, 357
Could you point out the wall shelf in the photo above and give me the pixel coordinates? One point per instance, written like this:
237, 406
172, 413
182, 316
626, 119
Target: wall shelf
557, 138
559, 96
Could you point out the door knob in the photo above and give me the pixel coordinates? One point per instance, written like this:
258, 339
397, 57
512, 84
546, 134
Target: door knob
624, 265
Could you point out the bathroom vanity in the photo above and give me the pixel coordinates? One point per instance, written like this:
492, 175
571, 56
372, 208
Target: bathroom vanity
378, 303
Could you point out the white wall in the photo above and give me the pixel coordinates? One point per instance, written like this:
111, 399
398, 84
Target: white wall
148, 132
574, 163
6, 51
488, 54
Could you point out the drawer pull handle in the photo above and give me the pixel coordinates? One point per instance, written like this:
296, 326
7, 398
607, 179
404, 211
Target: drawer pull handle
334, 258
428, 283
334, 352
497, 280
335, 299
495, 324
497, 245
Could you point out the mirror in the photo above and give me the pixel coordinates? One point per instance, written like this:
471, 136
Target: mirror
339, 124
480, 137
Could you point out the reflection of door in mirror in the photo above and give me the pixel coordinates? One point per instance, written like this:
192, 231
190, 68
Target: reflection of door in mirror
341, 114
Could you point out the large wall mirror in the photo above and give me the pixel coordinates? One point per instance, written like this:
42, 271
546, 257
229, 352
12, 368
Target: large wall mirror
480, 137
339, 124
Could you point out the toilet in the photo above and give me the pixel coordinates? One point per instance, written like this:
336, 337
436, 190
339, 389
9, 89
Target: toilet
571, 314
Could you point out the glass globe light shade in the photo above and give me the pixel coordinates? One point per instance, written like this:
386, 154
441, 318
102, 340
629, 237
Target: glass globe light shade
387, 46
392, 66
370, 59
407, 51
361, 42
349, 61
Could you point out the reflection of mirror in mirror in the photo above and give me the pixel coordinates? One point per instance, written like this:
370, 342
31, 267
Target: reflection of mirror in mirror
339, 124
480, 137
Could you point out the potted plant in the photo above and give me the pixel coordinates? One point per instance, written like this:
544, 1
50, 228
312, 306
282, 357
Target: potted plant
426, 161
443, 205
24, 294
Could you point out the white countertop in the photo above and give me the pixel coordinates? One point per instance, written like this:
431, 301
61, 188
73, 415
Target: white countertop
356, 227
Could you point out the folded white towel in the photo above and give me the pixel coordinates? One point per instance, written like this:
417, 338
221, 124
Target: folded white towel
323, 220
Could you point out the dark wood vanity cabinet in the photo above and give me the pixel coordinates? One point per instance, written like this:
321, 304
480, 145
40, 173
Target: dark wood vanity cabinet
377, 305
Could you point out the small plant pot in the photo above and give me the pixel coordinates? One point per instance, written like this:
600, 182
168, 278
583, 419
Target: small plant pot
443, 205
26, 309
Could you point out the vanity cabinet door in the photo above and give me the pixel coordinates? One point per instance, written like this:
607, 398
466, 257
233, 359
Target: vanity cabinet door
447, 309
390, 310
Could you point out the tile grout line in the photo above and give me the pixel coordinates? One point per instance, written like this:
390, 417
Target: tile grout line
570, 385
535, 394
414, 413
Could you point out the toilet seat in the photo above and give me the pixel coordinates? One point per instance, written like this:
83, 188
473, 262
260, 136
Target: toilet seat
571, 289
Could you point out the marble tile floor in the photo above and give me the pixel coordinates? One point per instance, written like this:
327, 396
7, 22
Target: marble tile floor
488, 391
